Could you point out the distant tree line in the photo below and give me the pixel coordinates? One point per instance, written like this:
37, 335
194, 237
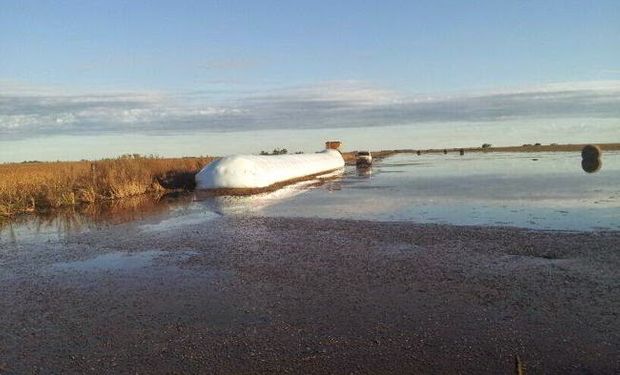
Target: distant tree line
278, 151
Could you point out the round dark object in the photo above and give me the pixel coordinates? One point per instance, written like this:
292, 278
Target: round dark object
591, 152
591, 165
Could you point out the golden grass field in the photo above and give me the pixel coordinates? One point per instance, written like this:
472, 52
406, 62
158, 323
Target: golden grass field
27, 187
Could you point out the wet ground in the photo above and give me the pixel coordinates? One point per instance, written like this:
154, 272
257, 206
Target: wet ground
223, 285
245, 295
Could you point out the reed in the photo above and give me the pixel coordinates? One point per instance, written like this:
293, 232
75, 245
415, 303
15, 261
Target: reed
27, 187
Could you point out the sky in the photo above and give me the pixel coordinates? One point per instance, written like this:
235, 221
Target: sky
91, 79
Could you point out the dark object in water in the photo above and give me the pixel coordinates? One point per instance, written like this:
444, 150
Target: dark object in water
591, 152
591, 158
419, 152
363, 158
461, 152
591, 165
534, 159
445, 152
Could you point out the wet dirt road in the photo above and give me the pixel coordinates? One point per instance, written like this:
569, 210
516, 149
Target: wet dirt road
269, 295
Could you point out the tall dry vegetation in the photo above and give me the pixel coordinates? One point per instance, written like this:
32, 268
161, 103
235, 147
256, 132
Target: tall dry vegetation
37, 186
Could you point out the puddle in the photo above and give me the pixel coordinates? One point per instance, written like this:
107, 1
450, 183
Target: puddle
63, 224
192, 215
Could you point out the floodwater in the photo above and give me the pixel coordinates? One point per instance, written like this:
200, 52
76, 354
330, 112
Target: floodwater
190, 283
545, 191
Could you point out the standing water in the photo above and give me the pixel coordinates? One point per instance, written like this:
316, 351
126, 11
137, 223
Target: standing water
548, 191
531, 190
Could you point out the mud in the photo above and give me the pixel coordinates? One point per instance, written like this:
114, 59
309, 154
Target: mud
269, 295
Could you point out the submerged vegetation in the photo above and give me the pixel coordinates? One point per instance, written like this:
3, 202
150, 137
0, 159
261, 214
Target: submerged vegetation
28, 187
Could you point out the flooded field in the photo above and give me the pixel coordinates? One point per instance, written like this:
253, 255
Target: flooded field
547, 191
538, 191
285, 282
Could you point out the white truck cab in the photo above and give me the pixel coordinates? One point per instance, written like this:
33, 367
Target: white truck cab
363, 158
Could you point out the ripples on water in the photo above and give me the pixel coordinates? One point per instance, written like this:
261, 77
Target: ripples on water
537, 190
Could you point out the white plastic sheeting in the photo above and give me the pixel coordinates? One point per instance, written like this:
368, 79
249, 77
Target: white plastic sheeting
251, 171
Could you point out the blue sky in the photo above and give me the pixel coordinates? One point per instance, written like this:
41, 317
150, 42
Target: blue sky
71, 69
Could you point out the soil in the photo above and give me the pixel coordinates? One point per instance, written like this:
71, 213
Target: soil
274, 295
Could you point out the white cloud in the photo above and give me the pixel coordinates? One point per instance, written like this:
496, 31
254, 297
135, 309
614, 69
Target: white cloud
27, 111
347, 93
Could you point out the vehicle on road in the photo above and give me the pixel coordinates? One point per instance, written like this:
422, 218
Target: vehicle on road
363, 158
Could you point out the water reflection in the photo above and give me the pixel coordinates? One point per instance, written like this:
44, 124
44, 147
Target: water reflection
364, 171
479, 189
151, 213
235, 205
64, 222
591, 165
474, 189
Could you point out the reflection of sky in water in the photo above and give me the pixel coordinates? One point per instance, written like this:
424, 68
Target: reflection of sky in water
551, 192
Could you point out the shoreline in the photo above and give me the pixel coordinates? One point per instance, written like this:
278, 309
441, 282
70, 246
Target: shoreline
573, 147
116, 179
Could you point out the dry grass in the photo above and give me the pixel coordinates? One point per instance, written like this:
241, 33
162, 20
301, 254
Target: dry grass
27, 187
